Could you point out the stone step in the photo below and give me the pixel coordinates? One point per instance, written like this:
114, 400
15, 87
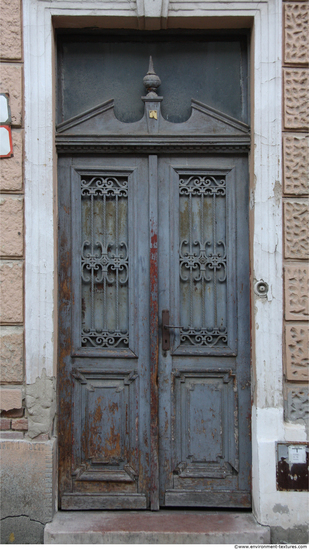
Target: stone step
163, 527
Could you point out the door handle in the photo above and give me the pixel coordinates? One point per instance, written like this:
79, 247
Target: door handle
166, 329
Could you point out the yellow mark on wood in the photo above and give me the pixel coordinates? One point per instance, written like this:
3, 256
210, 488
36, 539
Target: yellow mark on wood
11, 537
153, 114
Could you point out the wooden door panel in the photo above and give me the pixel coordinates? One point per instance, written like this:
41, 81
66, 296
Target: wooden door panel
204, 379
204, 407
104, 365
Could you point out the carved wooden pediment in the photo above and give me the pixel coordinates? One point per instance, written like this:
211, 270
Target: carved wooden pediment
98, 127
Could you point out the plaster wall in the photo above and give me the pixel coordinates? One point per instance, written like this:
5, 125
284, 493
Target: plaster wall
271, 507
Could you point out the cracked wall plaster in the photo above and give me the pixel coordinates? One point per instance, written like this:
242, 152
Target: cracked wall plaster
41, 405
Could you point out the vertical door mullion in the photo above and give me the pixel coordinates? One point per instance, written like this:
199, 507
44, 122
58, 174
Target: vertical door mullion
154, 328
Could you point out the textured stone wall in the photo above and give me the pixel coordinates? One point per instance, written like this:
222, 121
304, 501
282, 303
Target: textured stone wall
27, 449
295, 208
12, 229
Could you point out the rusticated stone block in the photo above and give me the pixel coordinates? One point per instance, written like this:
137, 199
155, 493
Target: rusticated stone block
11, 355
11, 83
11, 225
296, 104
10, 29
10, 399
295, 164
296, 285
296, 406
296, 229
11, 292
297, 352
296, 18
12, 168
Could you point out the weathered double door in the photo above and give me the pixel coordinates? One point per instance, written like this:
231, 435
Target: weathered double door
154, 411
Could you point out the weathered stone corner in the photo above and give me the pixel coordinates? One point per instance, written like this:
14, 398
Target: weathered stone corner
41, 405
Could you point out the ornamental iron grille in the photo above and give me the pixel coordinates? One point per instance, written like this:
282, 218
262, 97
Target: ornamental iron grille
104, 261
202, 260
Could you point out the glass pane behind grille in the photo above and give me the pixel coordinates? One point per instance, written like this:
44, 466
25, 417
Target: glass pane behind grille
202, 260
104, 261
93, 69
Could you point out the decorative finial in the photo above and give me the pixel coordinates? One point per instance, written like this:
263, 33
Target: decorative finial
151, 80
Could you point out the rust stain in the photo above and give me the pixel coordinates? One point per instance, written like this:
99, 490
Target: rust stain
166, 421
112, 444
98, 412
112, 407
94, 434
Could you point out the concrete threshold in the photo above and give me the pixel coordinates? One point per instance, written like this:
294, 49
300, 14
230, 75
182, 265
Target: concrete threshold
163, 527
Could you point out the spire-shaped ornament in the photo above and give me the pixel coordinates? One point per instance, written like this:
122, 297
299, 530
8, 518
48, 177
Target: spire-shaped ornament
152, 100
151, 81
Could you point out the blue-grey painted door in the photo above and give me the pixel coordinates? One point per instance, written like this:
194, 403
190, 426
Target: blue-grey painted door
104, 386
204, 378
140, 426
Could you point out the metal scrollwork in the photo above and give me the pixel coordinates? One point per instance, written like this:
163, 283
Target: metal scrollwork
104, 263
202, 260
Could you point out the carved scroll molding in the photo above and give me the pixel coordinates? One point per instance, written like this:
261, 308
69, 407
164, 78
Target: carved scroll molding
295, 163
296, 44
296, 105
296, 282
296, 232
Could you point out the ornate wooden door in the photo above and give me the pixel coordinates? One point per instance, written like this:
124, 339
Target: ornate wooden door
153, 217
204, 373
104, 332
